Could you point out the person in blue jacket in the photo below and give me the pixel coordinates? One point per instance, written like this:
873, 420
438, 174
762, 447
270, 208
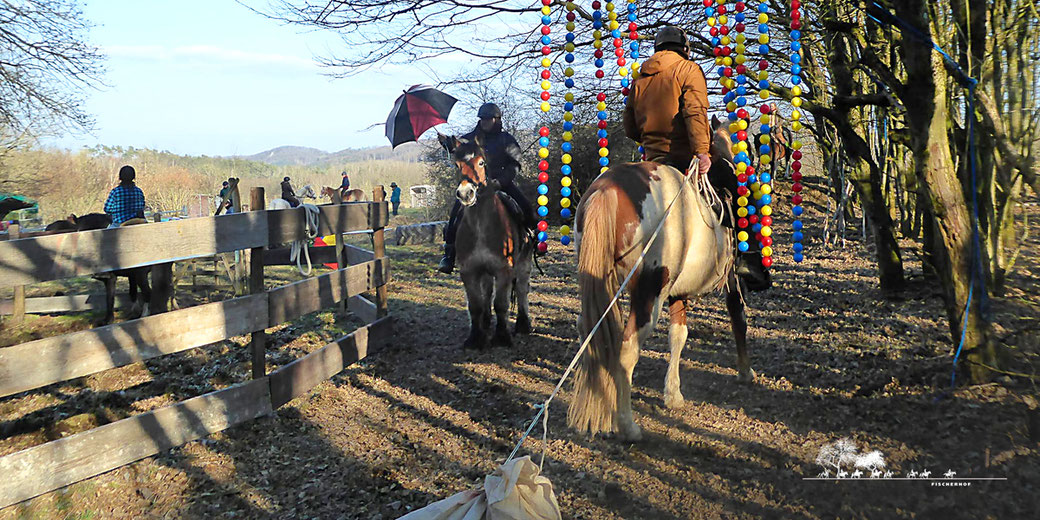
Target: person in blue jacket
395, 197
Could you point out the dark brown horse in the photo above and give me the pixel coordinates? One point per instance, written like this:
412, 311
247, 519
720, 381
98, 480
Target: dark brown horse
10, 204
779, 138
137, 276
495, 253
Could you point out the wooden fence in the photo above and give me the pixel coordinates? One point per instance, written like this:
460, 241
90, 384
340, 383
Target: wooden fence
46, 467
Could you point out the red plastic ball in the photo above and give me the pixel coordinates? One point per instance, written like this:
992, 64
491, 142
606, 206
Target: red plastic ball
767, 221
709, 3
742, 223
543, 247
764, 108
621, 62
741, 69
796, 15
796, 187
753, 219
545, 30
796, 176
545, 95
795, 4
619, 52
599, 73
543, 131
767, 241
546, 50
758, 237
763, 65
742, 114
543, 226
603, 142
714, 31
739, 27
624, 91
743, 191
796, 200
632, 26
750, 170
543, 177
795, 25
728, 72
633, 35
796, 155
724, 30
740, 7
546, 2
602, 125
598, 53
596, 4
618, 42
546, 74
742, 178
796, 165
722, 9
767, 261
543, 165
724, 90
742, 135
726, 51
571, 16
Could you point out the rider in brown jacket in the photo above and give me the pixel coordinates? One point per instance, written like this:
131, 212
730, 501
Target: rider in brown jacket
667, 113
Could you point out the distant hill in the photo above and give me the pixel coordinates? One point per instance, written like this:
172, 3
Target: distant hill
304, 156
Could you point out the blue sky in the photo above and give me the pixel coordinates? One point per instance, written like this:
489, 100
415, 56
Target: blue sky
213, 78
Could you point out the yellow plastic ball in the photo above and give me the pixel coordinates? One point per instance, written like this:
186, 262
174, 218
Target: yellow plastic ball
543, 152
796, 145
764, 94
763, 39
764, 119
795, 115
755, 186
569, 47
567, 136
742, 125
796, 90
767, 251
731, 106
603, 169
568, 72
546, 10
742, 236
724, 19
766, 159
711, 21
601, 106
742, 212
718, 60
767, 189
597, 34
603, 152
741, 49
546, 85
546, 63
565, 203
543, 200
568, 116
733, 127
570, 26
565, 229
565, 181
566, 158
741, 59
766, 231
741, 167
623, 72
610, 6
569, 96
597, 44
741, 38
725, 40
546, 106
796, 126
767, 210
763, 18
743, 146
763, 75
570, 6
742, 201
727, 61
614, 25
766, 139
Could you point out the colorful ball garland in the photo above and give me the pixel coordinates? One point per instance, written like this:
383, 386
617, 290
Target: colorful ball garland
601, 97
568, 125
796, 125
763, 196
543, 132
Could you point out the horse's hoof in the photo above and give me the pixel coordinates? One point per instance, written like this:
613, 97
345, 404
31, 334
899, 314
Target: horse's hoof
502, 340
746, 377
474, 343
630, 432
522, 326
674, 401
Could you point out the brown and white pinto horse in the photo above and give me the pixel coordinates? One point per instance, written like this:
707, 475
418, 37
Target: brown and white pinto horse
691, 257
494, 251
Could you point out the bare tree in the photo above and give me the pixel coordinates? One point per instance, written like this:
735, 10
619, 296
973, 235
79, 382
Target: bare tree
45, 65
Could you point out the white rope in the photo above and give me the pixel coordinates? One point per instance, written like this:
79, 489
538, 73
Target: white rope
312, 212
543, 409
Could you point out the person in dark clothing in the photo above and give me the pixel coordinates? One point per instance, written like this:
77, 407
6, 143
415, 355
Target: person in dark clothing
344, 185
288, 195
125, 201
395, 197
503, 156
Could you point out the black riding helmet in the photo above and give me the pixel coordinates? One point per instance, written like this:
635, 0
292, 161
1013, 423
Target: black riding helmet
489, 110
285, 179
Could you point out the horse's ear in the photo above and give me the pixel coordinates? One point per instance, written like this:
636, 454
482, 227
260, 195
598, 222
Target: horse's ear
715, 123
479, 140
448, 142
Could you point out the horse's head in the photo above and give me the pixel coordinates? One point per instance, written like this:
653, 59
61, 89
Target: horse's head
470, 160
307, 192
720, 148
326, 192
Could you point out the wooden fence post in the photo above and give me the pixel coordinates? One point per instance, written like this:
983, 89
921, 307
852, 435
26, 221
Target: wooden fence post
258, 339
341, 250
162, 282
18, 315
240, 265
379, 248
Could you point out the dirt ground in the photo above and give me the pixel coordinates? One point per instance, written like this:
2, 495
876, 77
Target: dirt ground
835, 357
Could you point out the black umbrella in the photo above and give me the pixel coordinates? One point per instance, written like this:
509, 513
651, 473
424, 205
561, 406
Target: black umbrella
420, 108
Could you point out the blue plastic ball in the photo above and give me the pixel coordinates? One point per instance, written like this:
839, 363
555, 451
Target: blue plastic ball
721, 71
565, 169
765, 129
568, 126
741, 157
602, 115
796, 69
796, 34
766, 178
796, 46
543, 141
740, 17
742, 91
635, 55
752, 179
755, 228
565, 213
634, 45
751, 210
730, 96
543, 211
763, 28
743, 247
764, 150
616, 33
566, 146
603, 161
766, 199
741, 80
570, 36
732, 116
640, 149
565, 240
546, 20
598, 63
543, 236
624, 82
796, 225
543, 189
569, 83
798, 257
632, 17
601, 133
597, 15
763, 8
546, 40
597, 24
796, 80
715, 41
797, 211
569, 58
734, 138
798, 247
796, 58
797, 236
632, 8
763, 49
565, 191
763, 84
568, 107
741, 101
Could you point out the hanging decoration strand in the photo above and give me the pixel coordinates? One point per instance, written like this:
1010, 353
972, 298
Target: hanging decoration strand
796, 125
543, 132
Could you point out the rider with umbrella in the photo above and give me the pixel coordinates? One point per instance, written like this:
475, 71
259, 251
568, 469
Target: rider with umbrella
503, 164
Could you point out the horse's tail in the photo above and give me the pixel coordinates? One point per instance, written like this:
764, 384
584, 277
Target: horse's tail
595, 397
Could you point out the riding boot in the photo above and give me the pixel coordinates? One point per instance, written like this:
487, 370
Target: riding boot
447, 264
749, 267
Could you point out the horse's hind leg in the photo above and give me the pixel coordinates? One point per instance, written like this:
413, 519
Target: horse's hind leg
110, 298
478, 310
641, 320
523, 288
141, 279
503, 290
677, 333
735, 306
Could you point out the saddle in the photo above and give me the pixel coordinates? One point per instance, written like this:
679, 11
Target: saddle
517, 213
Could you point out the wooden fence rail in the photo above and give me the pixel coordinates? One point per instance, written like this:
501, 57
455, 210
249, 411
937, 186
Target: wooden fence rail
46, 467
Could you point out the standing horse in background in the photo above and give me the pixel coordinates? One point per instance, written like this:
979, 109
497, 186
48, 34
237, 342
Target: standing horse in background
779, 139
9, 204
495, 252
137, 276
305, 192
355, 195
693, 255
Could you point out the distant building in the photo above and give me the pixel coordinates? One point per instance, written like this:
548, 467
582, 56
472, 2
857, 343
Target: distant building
422, 195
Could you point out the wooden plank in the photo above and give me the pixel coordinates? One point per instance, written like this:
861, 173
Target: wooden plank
341, 255
67, 255
70, 303
50, 360
298, 377
37, 470
258, 339
362, 308
379, 249
18, 309
319, 255
288, 225
313, 294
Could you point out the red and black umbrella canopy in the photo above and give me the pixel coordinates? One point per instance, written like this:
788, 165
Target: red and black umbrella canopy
420, 108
